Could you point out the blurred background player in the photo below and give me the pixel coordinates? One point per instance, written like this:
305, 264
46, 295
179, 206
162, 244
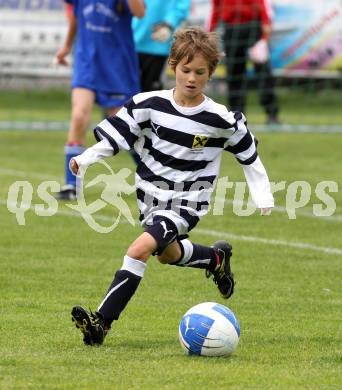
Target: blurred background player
152, 37
246, 32
105, 68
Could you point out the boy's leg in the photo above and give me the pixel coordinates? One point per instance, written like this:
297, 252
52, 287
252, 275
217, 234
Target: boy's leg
95, 326
184, 253
122, 288
215, 260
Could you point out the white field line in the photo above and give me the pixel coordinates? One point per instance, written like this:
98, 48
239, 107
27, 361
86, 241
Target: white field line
66, 213
298, 245
277, 209
216, 234
23, 174
282, 210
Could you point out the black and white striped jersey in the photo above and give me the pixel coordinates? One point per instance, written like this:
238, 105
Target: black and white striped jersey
180, 150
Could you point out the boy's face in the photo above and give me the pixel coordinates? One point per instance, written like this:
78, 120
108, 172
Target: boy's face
191, 78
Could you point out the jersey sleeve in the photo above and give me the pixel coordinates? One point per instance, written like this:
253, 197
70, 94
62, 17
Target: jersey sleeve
258, 184
242, 143
121, 130
93, 154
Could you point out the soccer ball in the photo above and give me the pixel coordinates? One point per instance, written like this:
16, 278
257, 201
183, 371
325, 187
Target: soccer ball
209, 329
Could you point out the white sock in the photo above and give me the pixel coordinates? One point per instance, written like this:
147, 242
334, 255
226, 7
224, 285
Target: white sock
136, 267
187, 251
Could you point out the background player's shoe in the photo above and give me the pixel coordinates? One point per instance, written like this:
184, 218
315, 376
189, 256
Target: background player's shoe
67, 192
223, 276
90, 324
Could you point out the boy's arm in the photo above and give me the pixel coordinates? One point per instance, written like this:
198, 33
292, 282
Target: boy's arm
117, 132
243, 145
259, 185
91, 155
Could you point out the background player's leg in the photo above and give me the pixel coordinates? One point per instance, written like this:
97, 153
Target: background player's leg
82, 101
151, 68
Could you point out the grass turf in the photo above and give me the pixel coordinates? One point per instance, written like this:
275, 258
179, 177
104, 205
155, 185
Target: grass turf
298, 105
288, 297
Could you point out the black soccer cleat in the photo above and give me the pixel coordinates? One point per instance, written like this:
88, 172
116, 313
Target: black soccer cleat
90, 324
222, 274
67, 192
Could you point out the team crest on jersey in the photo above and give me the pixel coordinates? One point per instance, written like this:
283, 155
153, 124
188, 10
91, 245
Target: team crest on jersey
199, 141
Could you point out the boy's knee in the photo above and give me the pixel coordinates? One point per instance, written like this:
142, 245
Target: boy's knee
171, 254
142, 247
138, 252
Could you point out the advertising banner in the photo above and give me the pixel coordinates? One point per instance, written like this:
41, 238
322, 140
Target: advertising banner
307, 37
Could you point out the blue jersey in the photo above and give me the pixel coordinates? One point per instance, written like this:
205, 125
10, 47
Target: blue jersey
104, 56
173, 12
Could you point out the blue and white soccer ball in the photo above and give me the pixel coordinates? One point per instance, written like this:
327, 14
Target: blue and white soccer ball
209, 329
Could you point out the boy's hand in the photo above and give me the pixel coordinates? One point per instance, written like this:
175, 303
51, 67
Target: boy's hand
266, 211
73, 166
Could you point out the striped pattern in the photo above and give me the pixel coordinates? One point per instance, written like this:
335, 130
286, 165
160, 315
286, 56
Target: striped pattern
180, 150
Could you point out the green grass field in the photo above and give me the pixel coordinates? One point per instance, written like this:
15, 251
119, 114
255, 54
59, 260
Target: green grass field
301, 105
287, 298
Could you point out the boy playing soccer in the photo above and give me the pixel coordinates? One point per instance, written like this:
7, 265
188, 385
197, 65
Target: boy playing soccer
180, 135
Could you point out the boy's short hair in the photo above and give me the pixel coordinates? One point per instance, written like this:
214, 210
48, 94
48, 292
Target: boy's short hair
193, 40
